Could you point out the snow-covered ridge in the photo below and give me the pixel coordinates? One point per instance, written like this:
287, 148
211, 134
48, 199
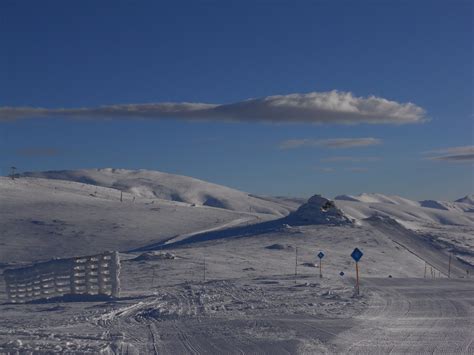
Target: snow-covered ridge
405, 210
158, 185
45, 218
377, 198
469, 199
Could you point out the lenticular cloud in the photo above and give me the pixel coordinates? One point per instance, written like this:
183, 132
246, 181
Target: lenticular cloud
454, 154
332, 107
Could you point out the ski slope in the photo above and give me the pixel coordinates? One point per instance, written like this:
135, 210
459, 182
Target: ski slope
413, 316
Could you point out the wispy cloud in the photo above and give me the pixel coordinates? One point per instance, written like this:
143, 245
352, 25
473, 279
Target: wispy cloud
333, 107
330, 143
332, 170
324, 169
357, 170
463, 154
349, 159
37, 152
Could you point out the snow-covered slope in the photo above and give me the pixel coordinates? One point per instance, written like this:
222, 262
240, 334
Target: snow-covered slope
469, 199
157, 185
44, 218
405, 210
450, 225
377, 198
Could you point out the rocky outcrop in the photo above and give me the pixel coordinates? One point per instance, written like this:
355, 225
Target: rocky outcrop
318, 210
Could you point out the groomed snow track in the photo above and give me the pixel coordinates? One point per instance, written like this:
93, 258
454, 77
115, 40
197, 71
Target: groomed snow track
413, 316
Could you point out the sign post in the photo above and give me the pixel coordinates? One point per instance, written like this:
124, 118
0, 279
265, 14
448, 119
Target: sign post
356, 255
320, 256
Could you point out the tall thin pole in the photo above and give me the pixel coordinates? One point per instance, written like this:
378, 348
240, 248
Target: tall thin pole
357, 278
449, 266
204, 265
296, 263
320, 267
425, 271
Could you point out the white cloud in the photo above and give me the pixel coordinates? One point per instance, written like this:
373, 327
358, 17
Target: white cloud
333, 107
350, 159
461, 154
330, 143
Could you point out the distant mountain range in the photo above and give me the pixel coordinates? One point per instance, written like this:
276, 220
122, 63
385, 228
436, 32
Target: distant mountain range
71, 212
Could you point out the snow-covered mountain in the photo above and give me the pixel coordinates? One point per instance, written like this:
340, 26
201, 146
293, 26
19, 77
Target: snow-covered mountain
43, 218
67, 213
469, 200
376, 198
157, 185
404, 210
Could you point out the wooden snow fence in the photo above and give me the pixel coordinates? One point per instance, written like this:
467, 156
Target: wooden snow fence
86, 275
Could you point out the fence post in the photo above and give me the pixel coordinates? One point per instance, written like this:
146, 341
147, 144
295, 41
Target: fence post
115, 272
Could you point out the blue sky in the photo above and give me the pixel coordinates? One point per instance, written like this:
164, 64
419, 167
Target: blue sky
95, 53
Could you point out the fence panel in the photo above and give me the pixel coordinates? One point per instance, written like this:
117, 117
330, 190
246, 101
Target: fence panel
86, 275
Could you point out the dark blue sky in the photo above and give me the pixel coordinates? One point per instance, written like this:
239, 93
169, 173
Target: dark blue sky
92, 53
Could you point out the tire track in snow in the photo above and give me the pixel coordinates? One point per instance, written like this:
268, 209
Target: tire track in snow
413, 316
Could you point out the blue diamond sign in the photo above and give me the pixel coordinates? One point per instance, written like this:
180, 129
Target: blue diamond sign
321, 255
341, 273
357, 254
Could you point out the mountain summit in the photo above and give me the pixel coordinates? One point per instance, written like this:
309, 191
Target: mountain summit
469, 199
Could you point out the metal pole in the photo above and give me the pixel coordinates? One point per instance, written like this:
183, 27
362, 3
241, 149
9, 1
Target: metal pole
204, 269
320, 268
296, 262
449, 266
357, 278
